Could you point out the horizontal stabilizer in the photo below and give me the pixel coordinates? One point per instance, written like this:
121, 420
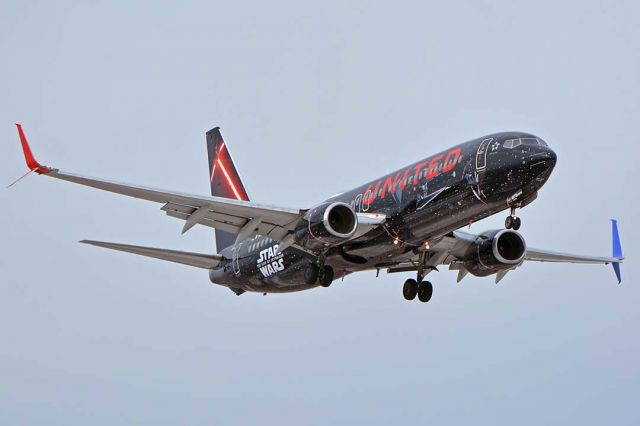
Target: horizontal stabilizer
199, 260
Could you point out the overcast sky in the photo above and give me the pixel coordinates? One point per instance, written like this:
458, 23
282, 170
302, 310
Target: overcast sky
312, 99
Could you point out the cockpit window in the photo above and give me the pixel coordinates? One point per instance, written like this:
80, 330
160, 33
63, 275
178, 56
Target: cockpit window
529, 141
512, 143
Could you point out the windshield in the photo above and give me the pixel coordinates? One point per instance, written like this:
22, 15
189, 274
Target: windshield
512, 143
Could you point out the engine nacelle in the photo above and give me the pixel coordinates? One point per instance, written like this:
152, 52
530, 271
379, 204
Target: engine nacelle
326, 225
496, 251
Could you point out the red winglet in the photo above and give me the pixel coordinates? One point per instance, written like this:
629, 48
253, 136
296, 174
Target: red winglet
33, 165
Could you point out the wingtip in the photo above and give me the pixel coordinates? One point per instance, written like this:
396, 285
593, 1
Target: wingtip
615, 239
29, 158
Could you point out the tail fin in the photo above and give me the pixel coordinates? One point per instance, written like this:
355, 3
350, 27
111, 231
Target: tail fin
225, 180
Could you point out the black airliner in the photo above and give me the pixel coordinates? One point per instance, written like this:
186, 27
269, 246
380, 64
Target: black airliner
406, 221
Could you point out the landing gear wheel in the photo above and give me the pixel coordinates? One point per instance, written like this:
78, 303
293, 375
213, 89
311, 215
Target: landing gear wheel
410, 289
311, 273
425, 291
512, 221
508, 222
326, 277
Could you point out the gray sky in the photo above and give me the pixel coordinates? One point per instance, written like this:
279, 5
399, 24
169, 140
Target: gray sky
312, 99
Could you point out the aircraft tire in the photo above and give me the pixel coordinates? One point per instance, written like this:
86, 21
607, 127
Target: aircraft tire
425, 291
508, 222
516, 224
326, 278
410, 289
311, 273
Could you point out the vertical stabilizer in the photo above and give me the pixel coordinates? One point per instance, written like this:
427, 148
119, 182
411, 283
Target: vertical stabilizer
224, 178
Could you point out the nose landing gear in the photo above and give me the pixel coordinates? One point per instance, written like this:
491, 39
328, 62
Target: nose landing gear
512, 221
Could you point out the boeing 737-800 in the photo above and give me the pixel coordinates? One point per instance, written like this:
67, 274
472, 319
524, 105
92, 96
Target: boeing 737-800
407, 221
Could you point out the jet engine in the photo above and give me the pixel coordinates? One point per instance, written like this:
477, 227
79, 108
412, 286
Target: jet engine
326, 225
495, 251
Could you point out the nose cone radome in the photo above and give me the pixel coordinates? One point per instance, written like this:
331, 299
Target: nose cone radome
542, 165
550, 157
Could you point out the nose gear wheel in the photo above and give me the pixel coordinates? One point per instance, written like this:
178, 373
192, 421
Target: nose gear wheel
512, 221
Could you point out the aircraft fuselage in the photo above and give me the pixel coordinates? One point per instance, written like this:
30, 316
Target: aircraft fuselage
423, 202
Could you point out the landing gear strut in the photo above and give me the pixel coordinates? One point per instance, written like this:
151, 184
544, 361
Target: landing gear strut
512, 221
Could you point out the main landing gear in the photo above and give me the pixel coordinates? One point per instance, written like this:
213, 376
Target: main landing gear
512, 221
413, 288
323, 274
417, 287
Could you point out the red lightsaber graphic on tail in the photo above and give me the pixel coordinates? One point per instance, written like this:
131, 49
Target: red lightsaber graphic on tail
224, 178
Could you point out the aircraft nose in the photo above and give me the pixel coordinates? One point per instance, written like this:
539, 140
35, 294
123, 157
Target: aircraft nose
550, 156
544, 163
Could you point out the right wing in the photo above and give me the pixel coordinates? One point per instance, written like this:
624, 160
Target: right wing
221, 213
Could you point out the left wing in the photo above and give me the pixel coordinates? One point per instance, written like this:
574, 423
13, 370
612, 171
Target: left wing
616, 258
450, 249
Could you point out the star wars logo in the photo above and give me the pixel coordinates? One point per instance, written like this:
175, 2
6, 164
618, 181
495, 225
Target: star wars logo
270, 261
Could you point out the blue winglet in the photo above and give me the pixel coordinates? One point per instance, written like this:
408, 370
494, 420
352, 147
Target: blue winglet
617, 248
